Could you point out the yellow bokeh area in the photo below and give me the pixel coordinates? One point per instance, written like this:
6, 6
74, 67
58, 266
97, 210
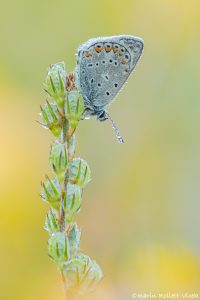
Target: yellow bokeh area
140, 215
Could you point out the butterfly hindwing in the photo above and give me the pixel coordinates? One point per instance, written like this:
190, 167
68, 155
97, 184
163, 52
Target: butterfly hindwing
104, 65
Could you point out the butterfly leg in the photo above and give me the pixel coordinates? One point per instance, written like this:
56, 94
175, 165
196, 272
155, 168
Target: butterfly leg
103, 116
117, 133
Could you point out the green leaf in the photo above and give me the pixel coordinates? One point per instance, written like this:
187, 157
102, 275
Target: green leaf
61, 83
52, 113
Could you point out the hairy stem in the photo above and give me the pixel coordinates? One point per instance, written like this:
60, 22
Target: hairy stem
63, 187
62, 184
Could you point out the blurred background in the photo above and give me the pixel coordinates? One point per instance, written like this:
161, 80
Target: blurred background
140, 216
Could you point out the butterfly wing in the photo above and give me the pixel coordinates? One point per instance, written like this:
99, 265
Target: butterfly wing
104, 65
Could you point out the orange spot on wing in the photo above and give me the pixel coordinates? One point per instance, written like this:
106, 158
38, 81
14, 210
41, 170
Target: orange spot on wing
98, 49
87, 54
107, 49
123, 61
115, 49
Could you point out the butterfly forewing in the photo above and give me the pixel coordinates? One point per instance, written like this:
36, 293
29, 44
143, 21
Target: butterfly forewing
104, 65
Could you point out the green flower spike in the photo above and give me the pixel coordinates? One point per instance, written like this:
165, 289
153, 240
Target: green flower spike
63, 192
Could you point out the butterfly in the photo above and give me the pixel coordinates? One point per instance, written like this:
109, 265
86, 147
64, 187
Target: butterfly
103, 67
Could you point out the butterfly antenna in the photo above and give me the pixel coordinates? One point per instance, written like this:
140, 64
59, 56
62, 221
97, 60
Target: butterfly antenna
118, 135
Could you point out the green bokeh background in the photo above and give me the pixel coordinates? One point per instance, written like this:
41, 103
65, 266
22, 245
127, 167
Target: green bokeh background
140, 217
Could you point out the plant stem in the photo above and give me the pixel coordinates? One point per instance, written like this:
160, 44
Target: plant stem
63, 193
62, 184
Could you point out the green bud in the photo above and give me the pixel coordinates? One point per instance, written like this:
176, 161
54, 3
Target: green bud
83, 275
72, 201
59, 159
51, 222
59, 249
55, 83
51, 192
51, 118
74, 237
74, 108
79, 172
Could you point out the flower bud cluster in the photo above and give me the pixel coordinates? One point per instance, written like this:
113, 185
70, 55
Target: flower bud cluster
63, 191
